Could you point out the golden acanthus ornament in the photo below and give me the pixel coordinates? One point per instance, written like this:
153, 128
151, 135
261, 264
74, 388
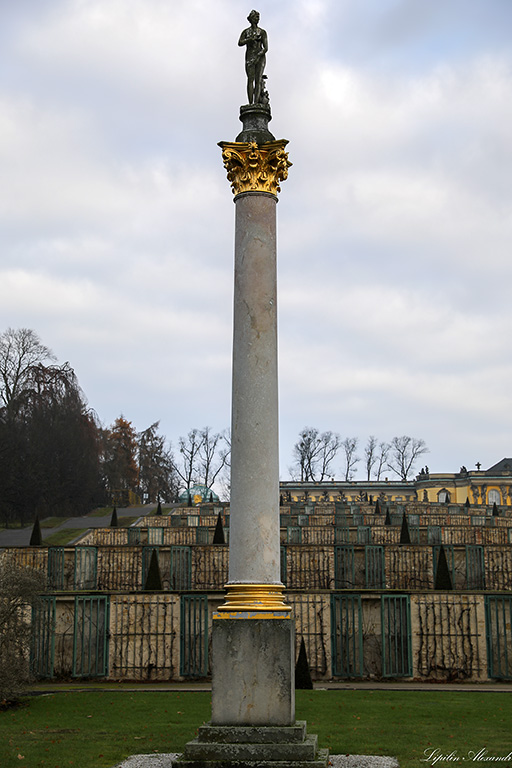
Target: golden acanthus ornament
253, 168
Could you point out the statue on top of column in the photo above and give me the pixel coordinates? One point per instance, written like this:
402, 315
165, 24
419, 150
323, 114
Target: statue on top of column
257, 46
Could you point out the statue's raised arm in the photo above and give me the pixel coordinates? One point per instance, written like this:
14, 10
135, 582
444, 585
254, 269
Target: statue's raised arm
256, 42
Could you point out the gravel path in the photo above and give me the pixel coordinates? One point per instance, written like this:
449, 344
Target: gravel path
336, 761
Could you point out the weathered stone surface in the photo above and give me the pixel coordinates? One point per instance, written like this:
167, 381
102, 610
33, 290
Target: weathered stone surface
253, 734
254, 553
253, 672
305, 750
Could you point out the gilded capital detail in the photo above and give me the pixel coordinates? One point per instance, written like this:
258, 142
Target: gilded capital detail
253, 168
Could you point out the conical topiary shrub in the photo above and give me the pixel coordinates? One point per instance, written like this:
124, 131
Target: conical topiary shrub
113, 519
405, 536
218, 536
153, 578
377, 507
495, 512
443, 575
159, 509
36, 538
387, 521
467, 504
302, 673
189, 500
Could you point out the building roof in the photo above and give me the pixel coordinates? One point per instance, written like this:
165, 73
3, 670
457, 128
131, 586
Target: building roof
503, 467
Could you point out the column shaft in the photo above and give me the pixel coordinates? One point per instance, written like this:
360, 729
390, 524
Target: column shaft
254, 552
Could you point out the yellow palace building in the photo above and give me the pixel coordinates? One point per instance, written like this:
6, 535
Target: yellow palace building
477, 487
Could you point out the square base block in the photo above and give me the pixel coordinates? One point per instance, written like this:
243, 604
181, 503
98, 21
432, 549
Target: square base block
253, 747
253, 672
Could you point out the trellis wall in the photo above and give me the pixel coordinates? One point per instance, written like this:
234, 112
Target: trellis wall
163, 636
303, 567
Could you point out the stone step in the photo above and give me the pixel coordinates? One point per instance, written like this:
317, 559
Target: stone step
254, 734
200, 750
320, 761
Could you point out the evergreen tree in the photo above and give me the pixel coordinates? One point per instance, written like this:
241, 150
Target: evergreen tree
377, 507
443, 575
495, 512
153, 578
467, 504
159, 509
218, 536
302, 672
387, 521
36, 538
113, 520
405, 537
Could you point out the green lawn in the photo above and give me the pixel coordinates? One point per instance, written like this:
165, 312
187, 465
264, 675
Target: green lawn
96, 730
60, 538
53, 522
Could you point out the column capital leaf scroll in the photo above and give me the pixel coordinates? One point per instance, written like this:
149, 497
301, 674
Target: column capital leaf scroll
255, 168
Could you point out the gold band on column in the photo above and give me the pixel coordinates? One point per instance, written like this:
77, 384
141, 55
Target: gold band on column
253, 598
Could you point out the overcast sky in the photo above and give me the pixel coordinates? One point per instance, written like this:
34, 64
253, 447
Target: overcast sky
395, 225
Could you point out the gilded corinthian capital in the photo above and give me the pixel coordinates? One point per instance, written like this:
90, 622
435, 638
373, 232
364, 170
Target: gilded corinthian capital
253, 168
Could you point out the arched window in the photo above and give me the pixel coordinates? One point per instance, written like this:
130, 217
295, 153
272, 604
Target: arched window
494, 496
443, 496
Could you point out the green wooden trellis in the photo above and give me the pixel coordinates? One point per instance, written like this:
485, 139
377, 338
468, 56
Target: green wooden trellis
344, 571
374, 570
346, 636
498, 623
42, 651
55, 573
133, 535
396, 636
341, 535
293, 535
194, 636
475, 569
86, 568
364, 534
181, 568
90, 636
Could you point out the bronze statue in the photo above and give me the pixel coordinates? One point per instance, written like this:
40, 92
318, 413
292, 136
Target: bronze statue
257, 46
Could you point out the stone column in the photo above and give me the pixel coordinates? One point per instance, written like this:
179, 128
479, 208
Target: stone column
254, 551
252, 645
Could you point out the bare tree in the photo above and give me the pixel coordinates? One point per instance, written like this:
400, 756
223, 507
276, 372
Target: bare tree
381, 459
349, 446
403, 453
314, 453
189, 448
370, 455
20, 350
213, 455
204, 454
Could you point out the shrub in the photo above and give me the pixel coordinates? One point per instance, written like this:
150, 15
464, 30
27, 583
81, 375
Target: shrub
19, 591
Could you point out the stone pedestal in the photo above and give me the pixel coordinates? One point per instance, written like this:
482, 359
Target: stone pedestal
253, 669
253, 747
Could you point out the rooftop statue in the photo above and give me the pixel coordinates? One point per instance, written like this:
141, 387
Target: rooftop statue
257, 46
